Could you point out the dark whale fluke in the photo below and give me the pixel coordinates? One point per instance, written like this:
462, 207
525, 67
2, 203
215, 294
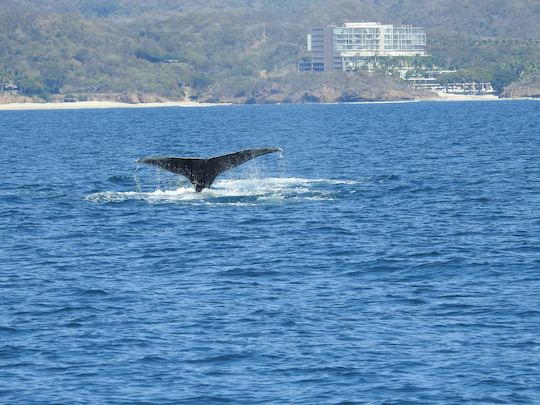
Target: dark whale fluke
202, 172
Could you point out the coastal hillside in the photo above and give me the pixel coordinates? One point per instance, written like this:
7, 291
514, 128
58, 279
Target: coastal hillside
246, 50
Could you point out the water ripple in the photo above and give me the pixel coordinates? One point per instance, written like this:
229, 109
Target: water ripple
390, 256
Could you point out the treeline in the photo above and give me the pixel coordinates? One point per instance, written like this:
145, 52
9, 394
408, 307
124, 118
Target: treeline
181, 48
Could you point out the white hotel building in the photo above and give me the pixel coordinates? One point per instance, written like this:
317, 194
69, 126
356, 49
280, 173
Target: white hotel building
347, 47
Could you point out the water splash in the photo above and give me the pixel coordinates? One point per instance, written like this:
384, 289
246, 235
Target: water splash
249, 191
136, 178
158, 178
281, 164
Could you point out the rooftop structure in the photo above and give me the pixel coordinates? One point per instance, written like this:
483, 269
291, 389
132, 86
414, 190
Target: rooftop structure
347, 47
8, 86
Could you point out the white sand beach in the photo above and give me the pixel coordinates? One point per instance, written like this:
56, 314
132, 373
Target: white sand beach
114, 104
98, 104
442, 96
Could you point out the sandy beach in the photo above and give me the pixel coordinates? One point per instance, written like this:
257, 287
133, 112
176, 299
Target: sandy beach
98, 104
465, 97
442, 97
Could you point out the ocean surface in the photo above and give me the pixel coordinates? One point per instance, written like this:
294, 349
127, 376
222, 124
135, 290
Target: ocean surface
390, 255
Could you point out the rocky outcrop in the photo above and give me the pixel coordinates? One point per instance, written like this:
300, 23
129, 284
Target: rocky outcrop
527, 87
295, 88
315, 88
137, 98
519, 91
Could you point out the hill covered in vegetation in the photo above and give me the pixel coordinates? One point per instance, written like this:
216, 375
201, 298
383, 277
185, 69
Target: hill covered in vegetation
246, 50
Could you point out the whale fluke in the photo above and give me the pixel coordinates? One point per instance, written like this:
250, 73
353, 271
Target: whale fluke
202, 172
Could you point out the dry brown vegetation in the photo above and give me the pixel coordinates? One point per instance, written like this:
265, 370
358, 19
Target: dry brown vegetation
245, 50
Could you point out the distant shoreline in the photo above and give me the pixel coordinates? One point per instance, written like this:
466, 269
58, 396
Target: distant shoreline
82, 105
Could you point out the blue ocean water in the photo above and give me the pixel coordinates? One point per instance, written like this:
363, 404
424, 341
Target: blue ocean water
390, 255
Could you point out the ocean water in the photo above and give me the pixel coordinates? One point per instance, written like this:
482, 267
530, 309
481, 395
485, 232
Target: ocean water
390, 255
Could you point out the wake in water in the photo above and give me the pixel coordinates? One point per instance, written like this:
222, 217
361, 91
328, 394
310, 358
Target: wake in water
239, 192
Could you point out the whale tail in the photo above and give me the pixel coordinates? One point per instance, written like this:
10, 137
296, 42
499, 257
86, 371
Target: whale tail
202, 172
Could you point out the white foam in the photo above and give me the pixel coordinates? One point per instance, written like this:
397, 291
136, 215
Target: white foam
234, 192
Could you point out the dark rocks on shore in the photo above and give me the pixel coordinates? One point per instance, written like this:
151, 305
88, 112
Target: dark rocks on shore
314, 88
